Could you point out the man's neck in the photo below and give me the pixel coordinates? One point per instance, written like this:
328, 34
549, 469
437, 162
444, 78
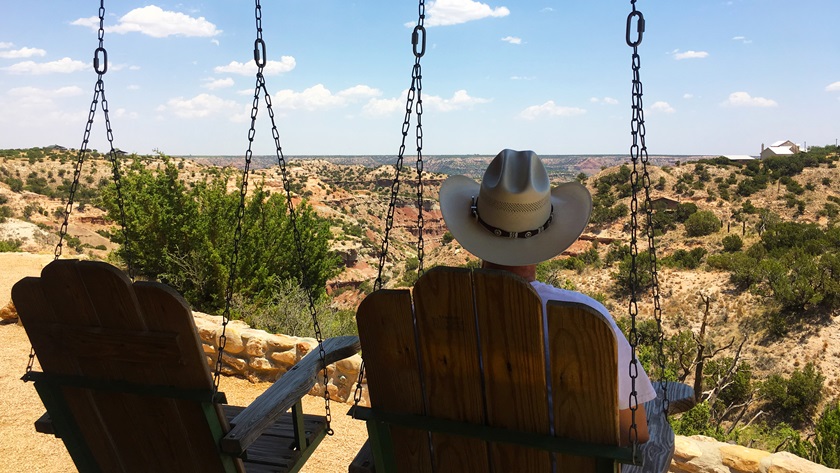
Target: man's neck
528, 272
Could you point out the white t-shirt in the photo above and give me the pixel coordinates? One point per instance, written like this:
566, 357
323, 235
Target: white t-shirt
644, 389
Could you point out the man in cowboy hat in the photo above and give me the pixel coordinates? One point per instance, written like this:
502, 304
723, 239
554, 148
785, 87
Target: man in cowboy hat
514, 220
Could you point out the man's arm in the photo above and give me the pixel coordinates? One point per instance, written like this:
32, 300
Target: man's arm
625, 421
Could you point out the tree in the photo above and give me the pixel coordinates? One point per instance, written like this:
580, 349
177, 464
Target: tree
184, 237
702, 223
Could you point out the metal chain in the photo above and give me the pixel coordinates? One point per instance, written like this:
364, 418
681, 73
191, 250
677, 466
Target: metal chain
418, 39
418, 42
98, 91
260, 60
638, 152
636, 126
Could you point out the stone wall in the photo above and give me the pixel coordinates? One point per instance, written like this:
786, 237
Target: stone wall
260, 356
699, 454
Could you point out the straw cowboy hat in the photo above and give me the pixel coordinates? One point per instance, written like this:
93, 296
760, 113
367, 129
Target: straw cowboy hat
514, 217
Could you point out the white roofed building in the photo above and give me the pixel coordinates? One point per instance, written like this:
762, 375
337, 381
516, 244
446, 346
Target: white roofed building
779, 148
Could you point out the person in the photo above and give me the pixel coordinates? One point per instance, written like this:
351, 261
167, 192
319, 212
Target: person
513, 220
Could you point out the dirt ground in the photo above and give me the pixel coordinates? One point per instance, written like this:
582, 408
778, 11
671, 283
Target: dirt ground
22, 449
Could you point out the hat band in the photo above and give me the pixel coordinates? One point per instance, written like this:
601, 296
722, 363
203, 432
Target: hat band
504, 233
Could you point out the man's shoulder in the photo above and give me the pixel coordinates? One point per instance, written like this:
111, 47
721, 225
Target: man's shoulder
547, 292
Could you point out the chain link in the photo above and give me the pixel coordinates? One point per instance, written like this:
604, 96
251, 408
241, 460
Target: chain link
418, 42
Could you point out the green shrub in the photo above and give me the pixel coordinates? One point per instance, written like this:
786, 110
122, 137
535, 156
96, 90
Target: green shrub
284, 309
732, 243
685, 259
702, 223
8, 246
794, 399
5, 213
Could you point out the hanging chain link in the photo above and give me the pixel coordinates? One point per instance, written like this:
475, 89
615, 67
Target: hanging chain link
418, 42
100, 67
639, 153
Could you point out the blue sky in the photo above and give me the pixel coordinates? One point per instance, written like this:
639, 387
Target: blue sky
720, 77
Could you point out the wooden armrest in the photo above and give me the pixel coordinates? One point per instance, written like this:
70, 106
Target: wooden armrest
659, 449
680, 396
284, 393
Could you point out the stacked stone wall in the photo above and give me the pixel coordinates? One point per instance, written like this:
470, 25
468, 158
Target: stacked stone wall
260, 356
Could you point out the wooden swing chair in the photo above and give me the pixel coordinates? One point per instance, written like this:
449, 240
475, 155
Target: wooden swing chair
456, 367
125, 379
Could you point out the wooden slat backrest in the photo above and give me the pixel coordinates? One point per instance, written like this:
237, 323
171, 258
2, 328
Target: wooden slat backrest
510, 325
582, 350
386, 332
124, 432
461, 318
449, 350
480, 341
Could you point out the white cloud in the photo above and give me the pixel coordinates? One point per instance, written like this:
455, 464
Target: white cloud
743, 99
453, 12
663, 107
215, 41
460, 100
133, 87
272, 68
742, 39
550, 109
382, 107
688, 96
318, 97
522, 77
200, 106
546, 10
4, 45
359, 91
214, 84
62, 66
835, 87
155, 22
22, 53
605, 100
512, 40
690, 55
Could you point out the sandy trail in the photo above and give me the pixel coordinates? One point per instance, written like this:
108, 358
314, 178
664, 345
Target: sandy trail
23, 449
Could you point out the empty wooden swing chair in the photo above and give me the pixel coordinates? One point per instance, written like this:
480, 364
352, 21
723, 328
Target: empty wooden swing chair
125, 379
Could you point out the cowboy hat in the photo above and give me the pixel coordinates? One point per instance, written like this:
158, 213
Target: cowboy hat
514, 217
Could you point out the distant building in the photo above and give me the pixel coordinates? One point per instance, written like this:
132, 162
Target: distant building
779, 148
665, 202
739, 157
